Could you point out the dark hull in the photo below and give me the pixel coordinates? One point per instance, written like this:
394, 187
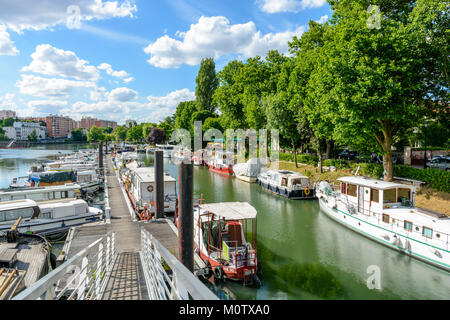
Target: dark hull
296, 194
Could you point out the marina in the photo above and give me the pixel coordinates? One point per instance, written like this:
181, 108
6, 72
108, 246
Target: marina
279, 223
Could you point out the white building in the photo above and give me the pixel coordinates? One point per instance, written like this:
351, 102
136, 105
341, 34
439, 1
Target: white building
4, 114
21, 130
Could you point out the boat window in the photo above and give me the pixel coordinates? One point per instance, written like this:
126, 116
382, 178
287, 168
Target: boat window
16, 213
374, 195
57, 195
51, 195
284, 182
343, 188
65, 194
408, 225
351, 190
389, 196
427, 232
403, 194
385, 218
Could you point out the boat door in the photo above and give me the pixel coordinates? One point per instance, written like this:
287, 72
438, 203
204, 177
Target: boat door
361, 199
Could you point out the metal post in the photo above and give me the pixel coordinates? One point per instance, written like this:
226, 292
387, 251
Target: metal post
186, 215
159, 184
100, 156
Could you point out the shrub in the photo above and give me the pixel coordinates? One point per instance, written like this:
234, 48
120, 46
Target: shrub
436, 179
338, 163
301, 158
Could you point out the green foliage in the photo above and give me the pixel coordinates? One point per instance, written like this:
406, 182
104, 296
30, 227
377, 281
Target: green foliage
78, 135
436, 179
301, 158
96, 134
120, 134
206, 85
8, 122
135, 133
338, 163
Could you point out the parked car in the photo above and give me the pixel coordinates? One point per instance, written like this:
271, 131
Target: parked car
347, 154
442, 163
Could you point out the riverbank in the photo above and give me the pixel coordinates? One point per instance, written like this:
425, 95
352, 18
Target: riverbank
426, 197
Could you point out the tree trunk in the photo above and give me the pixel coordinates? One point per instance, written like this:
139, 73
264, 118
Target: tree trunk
295, 152
330, 144
388, 166
319, 155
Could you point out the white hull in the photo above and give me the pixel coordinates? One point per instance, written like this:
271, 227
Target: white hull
53, 225
246, 178
389, 236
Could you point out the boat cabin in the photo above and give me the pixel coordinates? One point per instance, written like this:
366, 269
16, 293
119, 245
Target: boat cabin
375, 195
225, 235
67, 191
142, 186
10, 211
287, 183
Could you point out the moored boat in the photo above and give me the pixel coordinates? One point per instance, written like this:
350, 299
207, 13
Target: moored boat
221, 162
166, 148
225, 238
287, 183
249, 170
384, 212
47, 218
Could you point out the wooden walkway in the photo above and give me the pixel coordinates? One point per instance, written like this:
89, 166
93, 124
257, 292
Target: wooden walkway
127, 279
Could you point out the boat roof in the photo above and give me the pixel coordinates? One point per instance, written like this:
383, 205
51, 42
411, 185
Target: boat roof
230, 210
287, 173
373, 183
67, 186
17, 204
147, 174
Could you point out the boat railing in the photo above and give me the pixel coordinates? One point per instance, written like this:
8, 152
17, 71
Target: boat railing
166, 277
82, 277
398, 226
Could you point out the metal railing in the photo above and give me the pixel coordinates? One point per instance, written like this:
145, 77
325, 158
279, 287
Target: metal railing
82, 277
166, 277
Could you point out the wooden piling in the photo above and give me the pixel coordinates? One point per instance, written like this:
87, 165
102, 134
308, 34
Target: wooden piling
186, 215
159, 184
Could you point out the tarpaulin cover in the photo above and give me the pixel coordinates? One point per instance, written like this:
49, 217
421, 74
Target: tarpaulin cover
251, 168
53, 176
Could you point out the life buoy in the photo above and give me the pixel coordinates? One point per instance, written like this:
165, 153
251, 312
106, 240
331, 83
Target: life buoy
145, 215
307, 191
150, 188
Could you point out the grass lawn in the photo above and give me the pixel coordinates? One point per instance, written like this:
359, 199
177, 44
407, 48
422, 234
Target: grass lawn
425, 197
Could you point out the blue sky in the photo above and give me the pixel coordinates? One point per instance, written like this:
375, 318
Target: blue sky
131, 59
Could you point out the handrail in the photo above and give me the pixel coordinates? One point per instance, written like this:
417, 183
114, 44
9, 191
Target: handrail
182, 282
93, 275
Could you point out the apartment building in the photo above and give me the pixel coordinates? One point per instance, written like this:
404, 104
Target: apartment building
4, 114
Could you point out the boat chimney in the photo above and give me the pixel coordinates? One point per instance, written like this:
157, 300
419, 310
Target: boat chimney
186, 215
159, 184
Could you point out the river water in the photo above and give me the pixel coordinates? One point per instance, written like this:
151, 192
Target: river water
304, 254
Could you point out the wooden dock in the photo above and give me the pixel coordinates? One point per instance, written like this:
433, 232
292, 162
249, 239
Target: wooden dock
127, 279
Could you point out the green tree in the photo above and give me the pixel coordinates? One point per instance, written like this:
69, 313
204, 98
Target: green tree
183, 115
78, 135
206, 85
96, 134
32, 136
8, 122
135, 133
120, 133
109, 130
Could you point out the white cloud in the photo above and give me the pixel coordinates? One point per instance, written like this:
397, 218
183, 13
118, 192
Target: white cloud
52, 61
215, 37
122, 94
122, 74
46, 106
322, 19
38, 15
274, 6
50, 87
6, 45
155, 109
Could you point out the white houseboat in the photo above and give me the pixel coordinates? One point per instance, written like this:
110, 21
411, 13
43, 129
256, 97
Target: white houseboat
140, 186
63, 192
47, 218
385, 212
286, 183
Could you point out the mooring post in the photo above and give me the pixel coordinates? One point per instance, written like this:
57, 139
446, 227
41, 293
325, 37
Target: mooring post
100, 156
159, 184
186, 215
